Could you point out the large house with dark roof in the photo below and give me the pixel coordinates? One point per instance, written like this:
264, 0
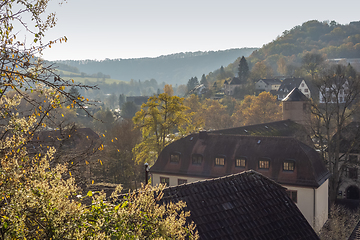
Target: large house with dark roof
289, 84
276, 150
247, 205
229, 86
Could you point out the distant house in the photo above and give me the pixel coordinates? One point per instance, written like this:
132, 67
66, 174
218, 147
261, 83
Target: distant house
199, 90
267, 85
289, 84
327, 94
247, 205
229, 86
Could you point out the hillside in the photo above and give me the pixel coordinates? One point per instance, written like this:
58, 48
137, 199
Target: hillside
332, 40
173, 69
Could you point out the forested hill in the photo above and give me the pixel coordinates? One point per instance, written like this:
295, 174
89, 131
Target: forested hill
332, 40
173, 69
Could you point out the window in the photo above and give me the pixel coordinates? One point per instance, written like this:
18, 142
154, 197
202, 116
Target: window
165, 180
302, 85
219, 161
181, 181
175, 157
292, 194
306, 90
289, 165
197, 159
264, 163
240, 162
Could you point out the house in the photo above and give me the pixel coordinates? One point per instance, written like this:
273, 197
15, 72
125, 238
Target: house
229, 86
277, 150
247, 205
267, 85
328, 93
290, 83
285, 160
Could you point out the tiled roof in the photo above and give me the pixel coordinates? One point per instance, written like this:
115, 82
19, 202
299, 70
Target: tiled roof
241, 206
271, 81
290, 83
284, 128
236, 81
309, 169
295, 95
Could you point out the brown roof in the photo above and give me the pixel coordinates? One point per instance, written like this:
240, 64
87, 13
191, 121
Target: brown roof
309, 169
271, 81
241, 206
284, 128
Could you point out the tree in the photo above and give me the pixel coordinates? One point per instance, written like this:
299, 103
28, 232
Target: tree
159, 119
128, 110
261, 71
338, 95
122, 99
215, 115
192, 83
204, 80
311, 62
168, 90
243, 69
255, 110
40, 201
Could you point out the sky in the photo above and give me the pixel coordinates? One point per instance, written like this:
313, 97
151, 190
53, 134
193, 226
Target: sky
149, 28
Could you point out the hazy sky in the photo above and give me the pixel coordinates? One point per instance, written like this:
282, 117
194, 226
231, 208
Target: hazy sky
149, 28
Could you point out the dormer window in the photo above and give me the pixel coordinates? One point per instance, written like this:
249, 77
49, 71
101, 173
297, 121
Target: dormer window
289, 165
220, 161
264, 163
197, 159
240, 162
175, 157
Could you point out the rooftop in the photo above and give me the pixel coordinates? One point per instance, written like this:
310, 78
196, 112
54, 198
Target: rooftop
241, 206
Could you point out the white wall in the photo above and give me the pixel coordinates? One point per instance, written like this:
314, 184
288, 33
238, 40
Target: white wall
173, 180
305, 202
305, 198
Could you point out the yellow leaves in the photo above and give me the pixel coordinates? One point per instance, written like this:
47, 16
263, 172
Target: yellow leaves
100, 161
103, 135
62, 115
112, 140
70, 173
72, 80
118, 150
116, 138
86, 162
92, 182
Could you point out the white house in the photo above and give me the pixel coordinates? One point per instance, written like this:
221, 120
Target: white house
289, 84
267, 85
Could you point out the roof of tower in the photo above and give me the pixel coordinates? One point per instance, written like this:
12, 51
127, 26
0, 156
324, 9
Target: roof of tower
295, 95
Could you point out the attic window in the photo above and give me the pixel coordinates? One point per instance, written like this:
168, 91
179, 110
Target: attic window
220, 161
197, 159
240, 162
264, 163
175, 157
289, 165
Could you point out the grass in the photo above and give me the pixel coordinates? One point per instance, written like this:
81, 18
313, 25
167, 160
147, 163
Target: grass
92, 80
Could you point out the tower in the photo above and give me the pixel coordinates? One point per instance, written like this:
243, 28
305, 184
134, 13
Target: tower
296, 107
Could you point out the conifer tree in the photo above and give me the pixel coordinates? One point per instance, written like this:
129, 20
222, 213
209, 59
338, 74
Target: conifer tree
243, 69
